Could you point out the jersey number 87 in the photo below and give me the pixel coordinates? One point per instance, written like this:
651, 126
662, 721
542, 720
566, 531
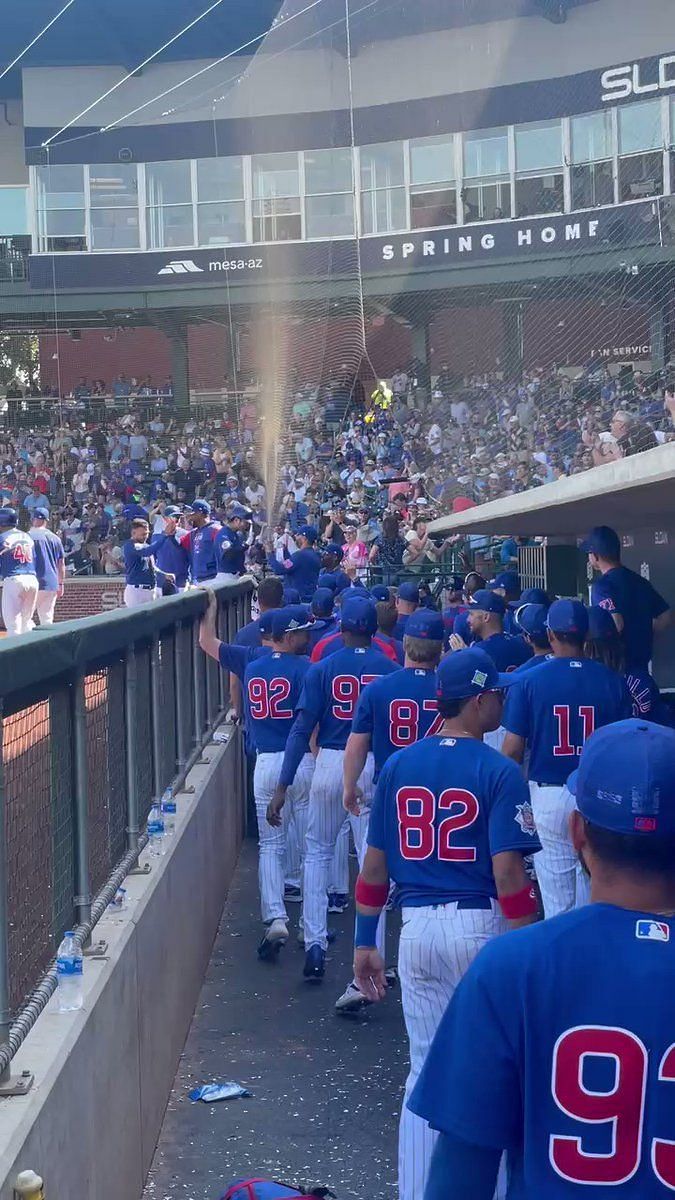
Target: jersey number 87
621, 1109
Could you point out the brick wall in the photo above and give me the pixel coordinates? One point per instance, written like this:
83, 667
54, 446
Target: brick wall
88, 597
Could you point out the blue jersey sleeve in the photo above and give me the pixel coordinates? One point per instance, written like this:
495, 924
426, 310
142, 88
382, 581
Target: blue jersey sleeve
376, 825
470, 1082
516, 715
235, 659
510, 820
309, 711
364, 717
602, 594
279, 568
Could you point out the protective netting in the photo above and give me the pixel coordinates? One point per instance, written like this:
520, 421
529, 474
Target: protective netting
319, 251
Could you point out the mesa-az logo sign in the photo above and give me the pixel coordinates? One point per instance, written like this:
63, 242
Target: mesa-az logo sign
619, 82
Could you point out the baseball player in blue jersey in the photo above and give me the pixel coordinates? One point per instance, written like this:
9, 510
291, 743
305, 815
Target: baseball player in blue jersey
637, 609
329, 698
530, 621
507, 585
393, 712
552, 712
302, 568
323, 610
17, 571
450, 825
200, 542
605, 643
231, 545
171, 554
50, 566
558, 1044
486, 622
407, 600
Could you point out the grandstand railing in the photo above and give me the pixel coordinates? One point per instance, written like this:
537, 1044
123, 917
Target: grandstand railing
98, 718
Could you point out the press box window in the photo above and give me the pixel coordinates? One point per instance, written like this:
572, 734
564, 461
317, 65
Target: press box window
486, 187
61, 220
329, 193
383, 200
433, 191
640, 150
113, 200
276, 198
221, 207
169, 216
539, 172
592, 173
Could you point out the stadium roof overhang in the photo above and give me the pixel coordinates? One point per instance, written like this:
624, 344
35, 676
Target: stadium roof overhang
634, 493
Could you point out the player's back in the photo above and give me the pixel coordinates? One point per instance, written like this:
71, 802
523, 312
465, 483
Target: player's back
272, 687
336, 684
17, 557
441, 809
586, 1001
556, 709
397, 711
506, 652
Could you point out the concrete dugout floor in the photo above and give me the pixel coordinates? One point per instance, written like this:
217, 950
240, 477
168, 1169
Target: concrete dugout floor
326, 1090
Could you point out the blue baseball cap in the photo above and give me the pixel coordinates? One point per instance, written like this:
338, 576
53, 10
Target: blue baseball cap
289, 620
8, 516
601, 623
508, 580
409, 592
309, 532
328, 579
425, 623
380, 592
265, 622
333, 548
359, 615
625, 781
322, 602
531, 618
469, 672
357, 589
291, 596
42, 513
568, 616
173, 511
238, 510
533, 595
201, 506
487, 601
602, 540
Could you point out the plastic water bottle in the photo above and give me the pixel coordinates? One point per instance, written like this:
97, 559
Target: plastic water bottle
168, 807
156, 830
69, 974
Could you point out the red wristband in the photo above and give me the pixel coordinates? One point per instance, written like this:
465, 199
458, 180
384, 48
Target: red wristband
520, 904
371, 895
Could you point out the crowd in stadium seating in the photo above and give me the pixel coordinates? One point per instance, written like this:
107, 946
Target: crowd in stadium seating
368, 471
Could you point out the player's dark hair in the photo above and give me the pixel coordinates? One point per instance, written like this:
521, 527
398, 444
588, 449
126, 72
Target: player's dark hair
357, 640
607, 650
449, 709
271, 592
570, 639
643, 854
540, 640
422, 650
387, 616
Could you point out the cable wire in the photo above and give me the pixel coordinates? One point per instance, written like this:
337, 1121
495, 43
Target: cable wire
130, 74
35, 39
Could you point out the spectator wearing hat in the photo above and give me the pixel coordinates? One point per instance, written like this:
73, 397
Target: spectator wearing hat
407, 601
637, 609
551, 712
50, 566
302, 568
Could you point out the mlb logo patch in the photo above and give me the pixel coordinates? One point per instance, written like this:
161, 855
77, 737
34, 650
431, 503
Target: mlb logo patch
652, 931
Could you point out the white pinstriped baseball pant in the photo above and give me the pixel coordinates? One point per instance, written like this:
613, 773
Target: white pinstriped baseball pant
272, 841
338, 880
561, 878
324, 824
437, 946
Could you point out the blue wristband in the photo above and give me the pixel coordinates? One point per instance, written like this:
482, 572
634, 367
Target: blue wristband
366, 929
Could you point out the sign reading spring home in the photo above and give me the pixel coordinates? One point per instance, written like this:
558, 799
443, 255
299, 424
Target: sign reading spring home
534, 237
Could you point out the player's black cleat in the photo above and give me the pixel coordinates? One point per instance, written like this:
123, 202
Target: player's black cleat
314, 967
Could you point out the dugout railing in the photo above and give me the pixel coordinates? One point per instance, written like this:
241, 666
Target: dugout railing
98, 718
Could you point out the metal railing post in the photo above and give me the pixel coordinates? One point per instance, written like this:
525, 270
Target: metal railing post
130, 715
198, 666
82, 881
156, 695
182, 689
9, 1085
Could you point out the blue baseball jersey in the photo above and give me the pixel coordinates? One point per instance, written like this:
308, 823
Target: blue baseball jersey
201, 546
450, 615
173, 557
506, 652
237, 658
537, 660
558, 1047
397, 711
330, 643
138, 570
48, 551
383, 639
647, 700
326, 628
272, 687
462, 628
398, 632
17, 554
249, 635
230, 551
300, 569
557, 707
329, 699
638, 603
441, 809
